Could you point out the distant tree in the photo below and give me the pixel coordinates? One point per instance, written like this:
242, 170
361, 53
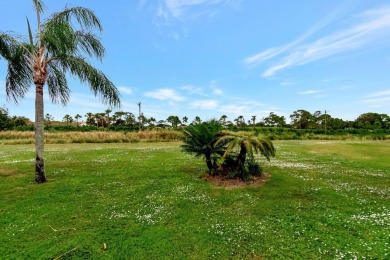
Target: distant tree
316, 122
20, 121
301, 119
118, 118
108, 111
367, 120
48, 118
152, 122
99, 118
174, 121
253, 120
130, 119
5, 120
223, 119
197, 120
68, 119
274, 120
90, 118
185, 120
77, 117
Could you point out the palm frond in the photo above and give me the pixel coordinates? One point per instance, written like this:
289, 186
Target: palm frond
59, 39
7, 42
57, 85
18, 79
39, 5
90, 44
98, 82
84, 16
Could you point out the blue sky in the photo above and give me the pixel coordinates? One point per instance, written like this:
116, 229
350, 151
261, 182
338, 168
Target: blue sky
235, 57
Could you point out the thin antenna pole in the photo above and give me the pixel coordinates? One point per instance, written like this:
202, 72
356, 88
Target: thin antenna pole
139, 115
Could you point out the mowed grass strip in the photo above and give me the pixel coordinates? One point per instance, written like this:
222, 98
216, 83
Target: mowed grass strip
325, 199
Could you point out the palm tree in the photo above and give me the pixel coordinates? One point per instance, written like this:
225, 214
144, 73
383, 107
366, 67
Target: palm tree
197, 120
200, 139
68, 119
77, 117
89, 119
253, 120
223, 119
108, 111
247, 144
48, 118
185, 120
57, 48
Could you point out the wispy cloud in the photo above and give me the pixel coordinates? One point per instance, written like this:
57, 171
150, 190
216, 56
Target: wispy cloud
204, 104
309, 92
368, 27
272, 52
125, 90
193, 90
378, 99
164, 94
380, 93
179, 9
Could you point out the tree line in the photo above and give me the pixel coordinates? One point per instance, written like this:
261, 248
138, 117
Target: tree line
299, 119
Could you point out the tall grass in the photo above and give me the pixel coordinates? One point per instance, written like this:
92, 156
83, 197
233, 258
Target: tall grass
17, 137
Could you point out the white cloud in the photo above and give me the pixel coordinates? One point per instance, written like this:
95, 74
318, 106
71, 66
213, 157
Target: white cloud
309, 92
204, 104
372, 25
125, 90
217, 91
193, 90
164, 94
287, 83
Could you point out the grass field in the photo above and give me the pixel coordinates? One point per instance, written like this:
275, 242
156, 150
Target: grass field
325, 199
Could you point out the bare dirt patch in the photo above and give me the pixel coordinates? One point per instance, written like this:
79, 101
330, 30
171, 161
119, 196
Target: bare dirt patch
228, 183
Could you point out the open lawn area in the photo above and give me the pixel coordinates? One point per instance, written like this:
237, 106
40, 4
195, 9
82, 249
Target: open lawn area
325, 199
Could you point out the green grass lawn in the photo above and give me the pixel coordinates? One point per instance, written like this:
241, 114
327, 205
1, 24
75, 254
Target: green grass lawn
325, 199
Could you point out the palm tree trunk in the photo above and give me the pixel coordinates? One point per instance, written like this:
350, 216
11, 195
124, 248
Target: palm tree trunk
208, 162
241, 156
39, 135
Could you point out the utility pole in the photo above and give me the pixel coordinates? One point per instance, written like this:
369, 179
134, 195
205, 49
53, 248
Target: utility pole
325, 121
139, 115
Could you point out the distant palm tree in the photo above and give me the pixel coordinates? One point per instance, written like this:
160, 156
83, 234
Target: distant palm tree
77, 117
108, 111
68, 119
185, 120
197, 120
58, 48
253, 120
89, 119
223, 119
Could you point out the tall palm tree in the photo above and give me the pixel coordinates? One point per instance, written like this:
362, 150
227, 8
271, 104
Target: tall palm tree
57, 48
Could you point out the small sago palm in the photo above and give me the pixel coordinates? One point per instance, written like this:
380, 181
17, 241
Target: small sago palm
247, 144
57, 48
200, 139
